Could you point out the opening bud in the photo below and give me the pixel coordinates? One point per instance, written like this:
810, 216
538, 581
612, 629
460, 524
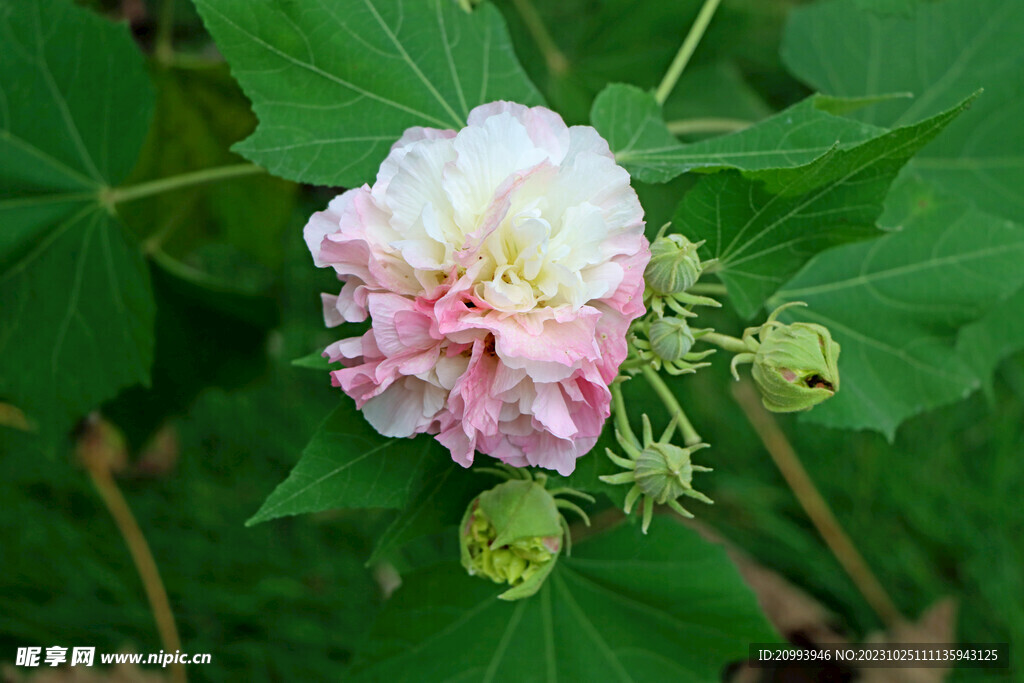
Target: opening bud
512, 534
795, 367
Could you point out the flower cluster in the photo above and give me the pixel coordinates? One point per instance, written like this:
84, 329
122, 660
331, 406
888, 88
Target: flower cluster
501, 266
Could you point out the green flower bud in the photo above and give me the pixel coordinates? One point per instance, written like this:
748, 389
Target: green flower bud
671, 338
664, 472
795, 367
674, 265
512, 534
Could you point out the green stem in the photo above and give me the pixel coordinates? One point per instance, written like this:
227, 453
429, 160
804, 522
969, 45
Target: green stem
111, 196
675, 70
163, 48
557, 62
709, 289
619, 413
708, 125
731, 344
690, 435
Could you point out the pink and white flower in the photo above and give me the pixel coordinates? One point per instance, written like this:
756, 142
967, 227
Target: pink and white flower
501, 266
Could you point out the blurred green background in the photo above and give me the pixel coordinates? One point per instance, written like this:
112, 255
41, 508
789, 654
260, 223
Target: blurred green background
937, 513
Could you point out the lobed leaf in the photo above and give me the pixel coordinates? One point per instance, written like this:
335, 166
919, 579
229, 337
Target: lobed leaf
895, 304
336, 82
630, 119
623, 607
76, 315
941, 52
762, 226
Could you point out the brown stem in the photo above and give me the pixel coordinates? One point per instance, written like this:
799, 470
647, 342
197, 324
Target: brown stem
105, 484
814, 505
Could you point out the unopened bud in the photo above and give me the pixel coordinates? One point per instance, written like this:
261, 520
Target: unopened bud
674, 265
671, 338
795, 367
664, 472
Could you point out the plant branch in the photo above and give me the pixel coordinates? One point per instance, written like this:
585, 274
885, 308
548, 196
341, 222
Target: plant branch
690, 435
724, 341
675, 70
708, 125
817, 509
119, 195
557, 62
619, 412
118, 507
709, 289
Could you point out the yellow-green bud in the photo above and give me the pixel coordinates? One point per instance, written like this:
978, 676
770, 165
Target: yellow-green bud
671, 338
664, 472
674, 265
512, 534
795, 367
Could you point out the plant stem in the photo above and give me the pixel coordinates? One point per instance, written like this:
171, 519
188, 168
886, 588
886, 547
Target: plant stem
690, 435
731, 344
163, 47
708, 125
557, 62
142, 557
619, 413
785, 458
120, 195
709, 289
675, 70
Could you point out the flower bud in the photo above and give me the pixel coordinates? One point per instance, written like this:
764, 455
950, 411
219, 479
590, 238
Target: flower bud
512, 534
795, 367
664, 472
674, 265
671, 338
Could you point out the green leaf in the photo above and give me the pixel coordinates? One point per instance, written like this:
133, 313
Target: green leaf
314, 361
77, 313
439, 501
941, 52
990, 339
630, 119
623, 607
335, 83
895, 304
764, 225
348, 464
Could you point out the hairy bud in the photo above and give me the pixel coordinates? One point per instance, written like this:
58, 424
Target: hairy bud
674, 265
671, 338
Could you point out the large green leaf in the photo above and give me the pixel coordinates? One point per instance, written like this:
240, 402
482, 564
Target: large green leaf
348, 464
988, 340
762, 226
941, 52
336, 82
623, 607
76, 314
630, 119
895, 304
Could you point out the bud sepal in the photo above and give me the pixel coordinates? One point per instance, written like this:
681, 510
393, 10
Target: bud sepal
660, 471
668, 345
